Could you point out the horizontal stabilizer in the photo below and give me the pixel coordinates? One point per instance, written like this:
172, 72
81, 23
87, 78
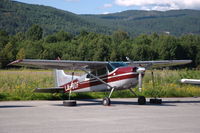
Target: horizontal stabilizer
49, 90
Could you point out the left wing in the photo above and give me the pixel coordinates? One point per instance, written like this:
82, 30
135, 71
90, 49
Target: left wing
59, 64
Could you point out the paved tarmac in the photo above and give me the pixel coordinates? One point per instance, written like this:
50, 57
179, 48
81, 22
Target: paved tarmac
175, 115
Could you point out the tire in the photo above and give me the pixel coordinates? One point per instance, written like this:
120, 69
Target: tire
106, 101
69, 103
141, 100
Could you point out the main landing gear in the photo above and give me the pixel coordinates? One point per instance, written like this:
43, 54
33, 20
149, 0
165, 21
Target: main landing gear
106, 101
141, 99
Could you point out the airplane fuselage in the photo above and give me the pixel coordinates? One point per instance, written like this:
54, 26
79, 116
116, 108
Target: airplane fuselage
121, 78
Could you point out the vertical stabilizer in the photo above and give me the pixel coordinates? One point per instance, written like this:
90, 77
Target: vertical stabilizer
61, 78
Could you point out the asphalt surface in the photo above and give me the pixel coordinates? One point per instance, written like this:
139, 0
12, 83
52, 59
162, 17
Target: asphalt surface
175, 115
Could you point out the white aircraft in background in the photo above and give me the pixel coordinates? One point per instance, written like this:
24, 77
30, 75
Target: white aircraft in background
191, 81
100, 75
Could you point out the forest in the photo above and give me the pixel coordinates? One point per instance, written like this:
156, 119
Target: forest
89, 46
18, 17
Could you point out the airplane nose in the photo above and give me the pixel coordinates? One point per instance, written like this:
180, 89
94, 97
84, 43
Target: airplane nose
141, 69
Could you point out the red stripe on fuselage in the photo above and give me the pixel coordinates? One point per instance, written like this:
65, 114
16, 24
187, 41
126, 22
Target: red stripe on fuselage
118, 74
94, 83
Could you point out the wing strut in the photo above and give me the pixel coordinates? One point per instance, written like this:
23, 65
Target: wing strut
97, 78
106, 100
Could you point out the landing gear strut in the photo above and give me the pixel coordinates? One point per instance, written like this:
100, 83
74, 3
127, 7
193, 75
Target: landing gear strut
106, 101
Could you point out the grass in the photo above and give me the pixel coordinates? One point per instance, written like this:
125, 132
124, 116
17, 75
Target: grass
19, 85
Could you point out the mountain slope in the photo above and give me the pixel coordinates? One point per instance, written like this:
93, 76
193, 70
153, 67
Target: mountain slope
176, 22
16, 16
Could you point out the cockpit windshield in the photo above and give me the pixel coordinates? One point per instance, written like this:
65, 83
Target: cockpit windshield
113, 65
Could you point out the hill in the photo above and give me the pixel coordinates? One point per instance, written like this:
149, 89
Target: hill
16, 16
177, 22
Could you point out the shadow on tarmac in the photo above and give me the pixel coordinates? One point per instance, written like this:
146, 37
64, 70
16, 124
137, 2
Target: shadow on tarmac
94, 102
15, 106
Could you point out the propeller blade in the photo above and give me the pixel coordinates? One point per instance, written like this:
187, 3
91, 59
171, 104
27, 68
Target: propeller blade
140, 71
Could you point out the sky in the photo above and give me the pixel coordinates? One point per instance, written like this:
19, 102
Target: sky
112, 6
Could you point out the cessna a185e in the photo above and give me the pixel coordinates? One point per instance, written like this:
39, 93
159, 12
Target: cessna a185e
100, 75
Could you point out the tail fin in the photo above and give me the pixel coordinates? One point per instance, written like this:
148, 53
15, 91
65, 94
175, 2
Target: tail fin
61, 78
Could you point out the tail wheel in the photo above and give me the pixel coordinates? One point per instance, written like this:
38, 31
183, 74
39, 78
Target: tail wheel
141, 100
106, 101
69, 103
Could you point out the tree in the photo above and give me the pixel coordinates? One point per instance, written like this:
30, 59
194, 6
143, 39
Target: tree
21, 54
4, 38
119, 36
6, 55
35, 33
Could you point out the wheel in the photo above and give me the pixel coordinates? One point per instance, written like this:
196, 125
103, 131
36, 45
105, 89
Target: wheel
141, 100
106, 101
69, 103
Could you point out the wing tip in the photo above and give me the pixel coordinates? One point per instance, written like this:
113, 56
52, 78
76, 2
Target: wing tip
15, 62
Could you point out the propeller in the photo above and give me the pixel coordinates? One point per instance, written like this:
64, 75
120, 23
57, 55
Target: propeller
140, 70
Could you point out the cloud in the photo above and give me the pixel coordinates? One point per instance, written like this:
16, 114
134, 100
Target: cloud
160, 4
107, 5
106, 13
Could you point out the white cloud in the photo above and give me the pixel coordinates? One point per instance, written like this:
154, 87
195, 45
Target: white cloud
106, 13
161, 4
107, 5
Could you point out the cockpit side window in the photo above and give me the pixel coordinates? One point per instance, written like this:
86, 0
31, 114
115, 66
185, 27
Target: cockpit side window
98, 72
110, 68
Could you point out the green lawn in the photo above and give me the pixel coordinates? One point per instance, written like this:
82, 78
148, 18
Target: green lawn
18, 84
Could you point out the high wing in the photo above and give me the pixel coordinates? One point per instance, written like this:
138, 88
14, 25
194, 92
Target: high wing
158, 64
59, 64
74, 65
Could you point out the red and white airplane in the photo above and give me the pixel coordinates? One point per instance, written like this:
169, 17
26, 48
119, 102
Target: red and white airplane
99, 75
